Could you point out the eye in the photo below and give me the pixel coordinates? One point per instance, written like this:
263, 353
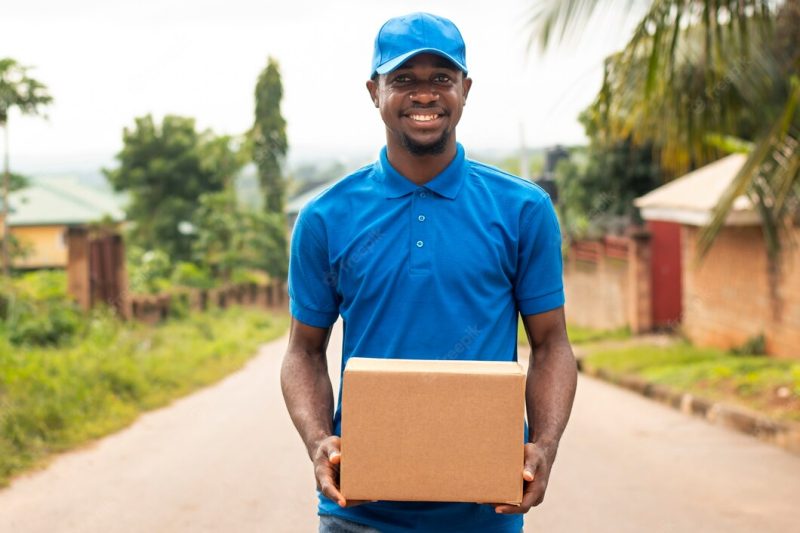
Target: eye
442, 78
401, 78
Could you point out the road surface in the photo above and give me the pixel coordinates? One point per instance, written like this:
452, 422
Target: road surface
227, 459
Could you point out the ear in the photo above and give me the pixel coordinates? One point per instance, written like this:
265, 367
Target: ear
372, 87
466, 84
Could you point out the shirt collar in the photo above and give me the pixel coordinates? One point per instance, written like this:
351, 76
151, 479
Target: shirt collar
447, 183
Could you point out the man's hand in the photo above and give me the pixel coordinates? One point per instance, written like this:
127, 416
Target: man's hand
535, 475
326, 469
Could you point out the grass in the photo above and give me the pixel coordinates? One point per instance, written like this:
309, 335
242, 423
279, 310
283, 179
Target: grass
581, 335
765, 384
54, 399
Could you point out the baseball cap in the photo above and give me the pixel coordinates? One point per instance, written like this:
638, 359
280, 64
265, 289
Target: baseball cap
403, 37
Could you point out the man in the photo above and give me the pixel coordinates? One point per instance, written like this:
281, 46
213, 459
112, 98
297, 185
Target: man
426, 254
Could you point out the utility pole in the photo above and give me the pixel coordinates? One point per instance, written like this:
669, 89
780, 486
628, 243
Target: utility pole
6, 187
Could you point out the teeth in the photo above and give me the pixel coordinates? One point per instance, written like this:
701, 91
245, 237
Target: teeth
424, 118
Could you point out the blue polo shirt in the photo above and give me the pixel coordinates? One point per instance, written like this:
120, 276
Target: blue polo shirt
438, 271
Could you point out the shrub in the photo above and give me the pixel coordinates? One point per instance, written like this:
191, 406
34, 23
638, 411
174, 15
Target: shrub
37, 310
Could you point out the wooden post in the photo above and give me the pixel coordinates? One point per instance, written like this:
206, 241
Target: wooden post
78, 284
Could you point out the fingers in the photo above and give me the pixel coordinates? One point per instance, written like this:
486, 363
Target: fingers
335, 457
534, 475
326, 469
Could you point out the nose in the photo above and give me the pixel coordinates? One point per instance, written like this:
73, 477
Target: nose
424, 93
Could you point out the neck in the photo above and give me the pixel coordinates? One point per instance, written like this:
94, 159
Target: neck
420, 169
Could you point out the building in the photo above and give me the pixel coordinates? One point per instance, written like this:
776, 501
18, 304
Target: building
41, 214
730, 296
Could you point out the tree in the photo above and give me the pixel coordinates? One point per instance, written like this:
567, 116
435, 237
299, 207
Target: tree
166, 168
231, 237
268, 137
697, 71
17, 90
596, 198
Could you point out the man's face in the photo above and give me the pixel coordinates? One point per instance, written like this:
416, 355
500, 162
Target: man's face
421, 103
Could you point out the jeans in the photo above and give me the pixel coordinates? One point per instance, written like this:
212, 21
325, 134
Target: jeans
334, 524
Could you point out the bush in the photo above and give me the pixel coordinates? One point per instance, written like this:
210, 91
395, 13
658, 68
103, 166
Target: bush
756, 345
149, 271
56, 398
37, 311
191, 275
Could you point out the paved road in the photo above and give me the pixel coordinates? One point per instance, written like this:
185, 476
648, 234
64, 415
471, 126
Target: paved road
227, 459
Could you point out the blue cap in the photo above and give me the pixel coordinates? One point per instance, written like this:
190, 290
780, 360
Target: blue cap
403, 37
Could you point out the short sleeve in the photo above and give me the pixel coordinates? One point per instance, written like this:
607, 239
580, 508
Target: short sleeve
539, 283
312, 287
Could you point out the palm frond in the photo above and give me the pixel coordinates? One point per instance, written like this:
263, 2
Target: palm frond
769, 176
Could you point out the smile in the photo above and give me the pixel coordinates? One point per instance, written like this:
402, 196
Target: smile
423, 118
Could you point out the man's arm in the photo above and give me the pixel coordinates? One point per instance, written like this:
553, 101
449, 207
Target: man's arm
308, 394
549, 393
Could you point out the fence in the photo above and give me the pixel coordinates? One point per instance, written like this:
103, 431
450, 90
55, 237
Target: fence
155, 308
607, 283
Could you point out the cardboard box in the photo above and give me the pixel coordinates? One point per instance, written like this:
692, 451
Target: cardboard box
449, 431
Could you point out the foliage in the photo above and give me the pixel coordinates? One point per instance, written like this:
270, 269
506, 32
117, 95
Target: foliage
17, 90
186, 274
268, 137
698, 68
581, 335
36, 310
17, 181
762, 383
231, 237
756, 345
55, 399
166, 168
597, 197
149, 271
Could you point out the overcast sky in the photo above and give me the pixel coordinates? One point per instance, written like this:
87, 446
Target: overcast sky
108, 61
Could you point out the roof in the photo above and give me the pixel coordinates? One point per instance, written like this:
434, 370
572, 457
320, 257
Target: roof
62, 201
298, 202
691, 199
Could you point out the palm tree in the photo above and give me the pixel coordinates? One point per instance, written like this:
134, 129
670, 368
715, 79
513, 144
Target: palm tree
17, 90
698, 76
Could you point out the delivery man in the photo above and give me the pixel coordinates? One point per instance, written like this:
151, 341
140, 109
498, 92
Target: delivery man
426, 254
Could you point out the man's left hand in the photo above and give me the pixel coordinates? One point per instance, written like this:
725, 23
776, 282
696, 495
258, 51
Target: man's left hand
535, 474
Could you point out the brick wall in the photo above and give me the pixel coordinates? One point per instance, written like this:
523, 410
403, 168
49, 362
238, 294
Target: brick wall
726, 298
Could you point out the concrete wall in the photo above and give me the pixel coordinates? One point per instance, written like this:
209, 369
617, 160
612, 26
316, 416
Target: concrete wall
607, 284
596, 293
727, 300
47, 246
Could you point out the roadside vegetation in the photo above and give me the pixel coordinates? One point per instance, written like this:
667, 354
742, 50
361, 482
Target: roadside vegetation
581, 335
765, 384
67, 378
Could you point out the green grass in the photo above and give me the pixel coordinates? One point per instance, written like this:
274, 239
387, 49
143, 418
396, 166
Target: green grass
53, 399
762, 383
581, 335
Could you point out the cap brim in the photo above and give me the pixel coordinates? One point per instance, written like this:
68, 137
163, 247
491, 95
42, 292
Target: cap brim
399, 60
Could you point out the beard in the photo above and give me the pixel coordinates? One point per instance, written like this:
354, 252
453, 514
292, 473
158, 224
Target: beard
436, 147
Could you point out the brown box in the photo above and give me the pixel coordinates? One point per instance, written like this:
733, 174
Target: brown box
448, 431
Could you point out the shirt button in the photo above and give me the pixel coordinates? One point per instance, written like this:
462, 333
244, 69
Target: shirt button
422, 194
421, 218
420, 244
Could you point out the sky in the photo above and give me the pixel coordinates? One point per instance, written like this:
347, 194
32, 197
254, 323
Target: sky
109, 61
